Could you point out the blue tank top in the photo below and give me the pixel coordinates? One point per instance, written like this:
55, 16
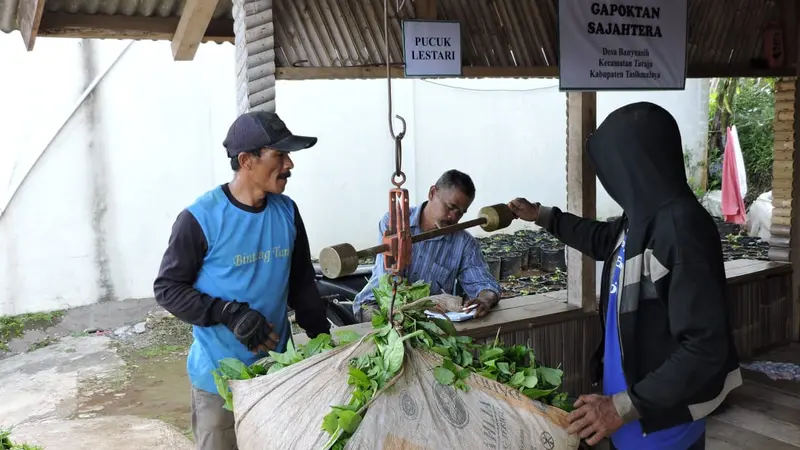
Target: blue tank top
631, 436
248, 260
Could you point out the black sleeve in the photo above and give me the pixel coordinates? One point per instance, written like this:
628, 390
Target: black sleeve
174, 286
591, 237
304, 299
698, 315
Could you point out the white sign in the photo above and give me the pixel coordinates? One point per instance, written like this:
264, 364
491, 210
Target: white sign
638, 44
432, 48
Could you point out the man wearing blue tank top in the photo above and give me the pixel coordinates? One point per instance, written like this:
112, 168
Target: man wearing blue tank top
237, 259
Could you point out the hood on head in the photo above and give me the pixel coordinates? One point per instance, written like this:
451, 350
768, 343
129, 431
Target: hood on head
638, 157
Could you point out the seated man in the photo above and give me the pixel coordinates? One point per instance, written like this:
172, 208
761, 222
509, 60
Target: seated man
441, 261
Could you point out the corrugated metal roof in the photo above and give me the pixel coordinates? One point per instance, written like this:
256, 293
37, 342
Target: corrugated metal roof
509, 33
8, 15
140, 8
518, 33
145, 8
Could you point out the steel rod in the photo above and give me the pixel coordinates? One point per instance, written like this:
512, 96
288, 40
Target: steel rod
372, 251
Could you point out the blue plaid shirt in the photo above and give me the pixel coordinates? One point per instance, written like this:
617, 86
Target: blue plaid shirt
440, 261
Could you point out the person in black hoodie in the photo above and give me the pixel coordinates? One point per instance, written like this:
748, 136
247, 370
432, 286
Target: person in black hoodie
668, 355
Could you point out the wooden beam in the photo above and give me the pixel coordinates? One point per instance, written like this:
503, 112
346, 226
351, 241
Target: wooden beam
426, 9
101, 26
29, 18
794, 242
195, 18
581, 194
379, 71
370, 72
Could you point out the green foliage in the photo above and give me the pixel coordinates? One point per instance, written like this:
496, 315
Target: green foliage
371, 373
751, 107
7, 444
233, 369
12, 327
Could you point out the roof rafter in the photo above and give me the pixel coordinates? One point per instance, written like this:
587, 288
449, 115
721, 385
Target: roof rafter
195, 18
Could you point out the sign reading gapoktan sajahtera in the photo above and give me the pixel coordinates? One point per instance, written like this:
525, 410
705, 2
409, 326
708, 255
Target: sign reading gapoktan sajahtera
631, 45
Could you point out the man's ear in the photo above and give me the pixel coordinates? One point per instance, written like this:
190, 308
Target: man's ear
431, 191
244, 161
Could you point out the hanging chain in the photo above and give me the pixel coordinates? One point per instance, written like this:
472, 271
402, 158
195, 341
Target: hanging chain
398, 178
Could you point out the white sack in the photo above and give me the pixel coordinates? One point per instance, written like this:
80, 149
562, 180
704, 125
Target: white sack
284, 410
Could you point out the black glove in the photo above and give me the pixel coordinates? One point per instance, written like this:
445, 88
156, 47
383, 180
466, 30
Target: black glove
249, 326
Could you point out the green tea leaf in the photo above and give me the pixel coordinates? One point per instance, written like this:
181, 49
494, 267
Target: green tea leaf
491, 353
488, 374
530, 381
258, 370
317, 345
394, 352
330, 422
349, 421
464, 340
221, 382
444, 376
537, 394
282, 358
443, 351
431, 327
550, 376
503, 368
517, 380
560, 401
446, 326
344, 337
235, 369
379, 320
358, 377
274, 368
466, 358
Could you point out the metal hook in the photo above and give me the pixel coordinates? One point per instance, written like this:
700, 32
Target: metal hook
403, 132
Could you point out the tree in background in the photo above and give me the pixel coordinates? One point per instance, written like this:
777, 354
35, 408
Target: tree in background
748, 103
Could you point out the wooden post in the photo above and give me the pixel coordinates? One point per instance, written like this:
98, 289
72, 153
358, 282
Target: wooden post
425, 9
581, 194
795, 221
255, 55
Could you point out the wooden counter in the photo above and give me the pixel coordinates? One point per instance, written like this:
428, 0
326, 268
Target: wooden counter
759, 292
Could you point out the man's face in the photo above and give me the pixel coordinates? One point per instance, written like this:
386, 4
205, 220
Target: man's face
447, 206
271, 171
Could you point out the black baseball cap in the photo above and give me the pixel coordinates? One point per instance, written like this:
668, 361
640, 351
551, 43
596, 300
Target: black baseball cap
258, 129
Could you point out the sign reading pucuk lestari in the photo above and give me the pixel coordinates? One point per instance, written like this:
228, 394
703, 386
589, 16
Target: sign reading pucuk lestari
432, 48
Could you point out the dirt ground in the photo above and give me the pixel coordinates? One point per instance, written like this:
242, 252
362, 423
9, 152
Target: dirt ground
151, 384
157, 385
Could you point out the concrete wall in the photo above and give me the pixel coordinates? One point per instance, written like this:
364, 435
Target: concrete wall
509, 135
104, 142
89, 220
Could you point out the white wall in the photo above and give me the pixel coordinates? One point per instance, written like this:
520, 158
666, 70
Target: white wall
508, 135
96, 188
91, 219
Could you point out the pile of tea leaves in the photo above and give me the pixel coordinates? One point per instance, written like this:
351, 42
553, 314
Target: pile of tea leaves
370, 374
